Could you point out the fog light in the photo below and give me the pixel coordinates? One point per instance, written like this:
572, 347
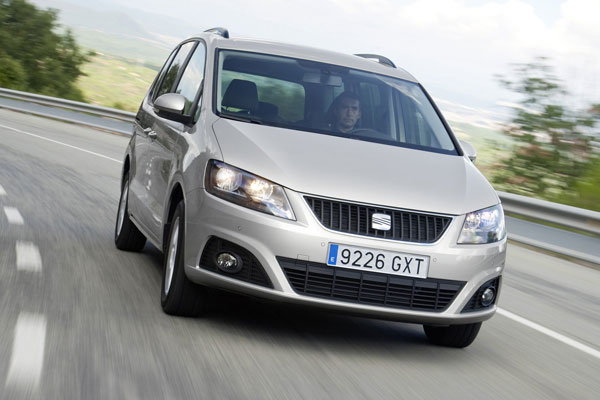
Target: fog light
229, 263
488, 296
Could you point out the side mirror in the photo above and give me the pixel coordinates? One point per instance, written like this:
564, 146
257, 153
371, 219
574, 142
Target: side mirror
171, 106
469, 150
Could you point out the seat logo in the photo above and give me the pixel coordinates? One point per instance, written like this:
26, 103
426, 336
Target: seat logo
381, 222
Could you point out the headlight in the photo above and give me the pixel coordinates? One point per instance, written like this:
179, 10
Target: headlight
483, 226
247, 190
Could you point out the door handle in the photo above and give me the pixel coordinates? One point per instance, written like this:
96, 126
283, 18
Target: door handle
151, 134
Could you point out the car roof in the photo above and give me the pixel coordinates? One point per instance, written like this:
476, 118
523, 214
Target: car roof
303, 52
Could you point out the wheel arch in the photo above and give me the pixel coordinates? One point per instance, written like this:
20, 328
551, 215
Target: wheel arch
125, 170
176, 196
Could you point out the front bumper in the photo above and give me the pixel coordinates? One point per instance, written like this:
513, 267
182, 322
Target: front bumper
270, 239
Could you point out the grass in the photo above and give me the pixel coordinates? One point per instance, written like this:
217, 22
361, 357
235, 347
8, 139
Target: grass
132, 48
116, 82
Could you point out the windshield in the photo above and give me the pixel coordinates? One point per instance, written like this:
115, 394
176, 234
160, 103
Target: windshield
327, 99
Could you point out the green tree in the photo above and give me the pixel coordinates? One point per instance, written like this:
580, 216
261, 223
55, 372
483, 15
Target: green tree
587, 189
553, 141
12, 75
33, 55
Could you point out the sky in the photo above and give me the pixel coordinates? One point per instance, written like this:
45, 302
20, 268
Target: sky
456, 48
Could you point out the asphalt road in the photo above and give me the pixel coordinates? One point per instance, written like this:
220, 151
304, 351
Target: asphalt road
82, 320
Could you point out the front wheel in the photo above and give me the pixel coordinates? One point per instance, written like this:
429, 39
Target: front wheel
452, 336
179, 296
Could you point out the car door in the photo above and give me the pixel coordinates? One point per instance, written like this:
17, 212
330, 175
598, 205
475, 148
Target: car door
154, 151
189, 86
138, 174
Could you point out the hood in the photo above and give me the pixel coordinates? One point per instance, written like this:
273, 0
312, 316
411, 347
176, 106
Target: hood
355, 170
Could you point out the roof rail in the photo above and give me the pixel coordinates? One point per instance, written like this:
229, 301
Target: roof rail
380, 59
219, 31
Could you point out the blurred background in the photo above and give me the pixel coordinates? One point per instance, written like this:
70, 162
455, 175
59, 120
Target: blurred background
79, 319
518, 79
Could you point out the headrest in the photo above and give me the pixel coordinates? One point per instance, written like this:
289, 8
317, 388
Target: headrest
267, 110
241, 94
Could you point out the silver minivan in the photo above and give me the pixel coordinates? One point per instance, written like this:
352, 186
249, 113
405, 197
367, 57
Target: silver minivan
311, 177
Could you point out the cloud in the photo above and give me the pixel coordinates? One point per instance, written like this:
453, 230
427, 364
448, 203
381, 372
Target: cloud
578, 30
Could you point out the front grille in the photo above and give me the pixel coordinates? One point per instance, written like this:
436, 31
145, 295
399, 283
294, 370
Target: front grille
474, 303
252, 271
407, 226
320, 280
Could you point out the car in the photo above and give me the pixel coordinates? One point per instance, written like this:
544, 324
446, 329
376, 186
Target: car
310, 177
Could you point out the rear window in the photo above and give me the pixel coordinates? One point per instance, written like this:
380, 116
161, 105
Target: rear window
327, 99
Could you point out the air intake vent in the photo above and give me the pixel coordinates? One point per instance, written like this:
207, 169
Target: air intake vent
407, 226
320, 280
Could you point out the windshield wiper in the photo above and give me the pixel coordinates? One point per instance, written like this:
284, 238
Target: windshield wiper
242, 118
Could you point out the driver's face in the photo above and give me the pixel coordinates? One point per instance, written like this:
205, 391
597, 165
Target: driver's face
347, 114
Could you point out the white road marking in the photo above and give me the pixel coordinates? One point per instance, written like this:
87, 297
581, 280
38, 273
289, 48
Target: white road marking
555, 335
28, 257
14, 216
2, 191
28, 351
62, 144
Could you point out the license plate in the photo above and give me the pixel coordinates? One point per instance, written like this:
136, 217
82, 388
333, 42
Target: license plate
386, 262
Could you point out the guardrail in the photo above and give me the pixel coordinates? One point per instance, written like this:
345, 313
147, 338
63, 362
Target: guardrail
572, 217
560, 214
70, 105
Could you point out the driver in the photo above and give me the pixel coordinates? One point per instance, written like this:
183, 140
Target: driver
345, 112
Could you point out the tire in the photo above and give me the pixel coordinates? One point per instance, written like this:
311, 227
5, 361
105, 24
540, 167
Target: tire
127, 236
179, 296
459, 336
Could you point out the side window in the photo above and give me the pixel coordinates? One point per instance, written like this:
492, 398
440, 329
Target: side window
169, 79
162, 72
192, 78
